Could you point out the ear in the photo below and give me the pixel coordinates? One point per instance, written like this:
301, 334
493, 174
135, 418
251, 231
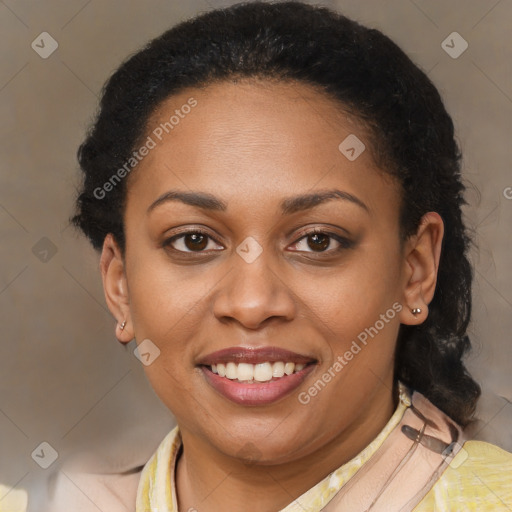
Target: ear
115, 287
421, 264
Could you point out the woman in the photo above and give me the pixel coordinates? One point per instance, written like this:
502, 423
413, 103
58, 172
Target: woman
276, 194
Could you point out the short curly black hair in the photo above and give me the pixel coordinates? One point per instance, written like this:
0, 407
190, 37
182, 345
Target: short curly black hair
412, 139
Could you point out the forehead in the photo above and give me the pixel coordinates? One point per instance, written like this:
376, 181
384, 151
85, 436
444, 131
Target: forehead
254, 135
226, 109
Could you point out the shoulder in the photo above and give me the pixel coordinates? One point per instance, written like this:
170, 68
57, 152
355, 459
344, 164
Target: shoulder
478, 478
115, 491
480, 453
88, 492
12, 500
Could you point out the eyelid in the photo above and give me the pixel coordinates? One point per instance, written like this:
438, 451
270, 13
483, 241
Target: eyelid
324, 228
345, 242
186, 231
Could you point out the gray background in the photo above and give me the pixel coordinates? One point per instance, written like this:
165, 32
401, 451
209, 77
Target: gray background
64, 378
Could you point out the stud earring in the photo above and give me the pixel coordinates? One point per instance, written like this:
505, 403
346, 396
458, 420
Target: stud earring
416, 311
122, 325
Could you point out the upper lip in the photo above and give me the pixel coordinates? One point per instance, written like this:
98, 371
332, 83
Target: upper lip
254, 356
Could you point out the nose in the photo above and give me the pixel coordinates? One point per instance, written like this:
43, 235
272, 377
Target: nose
253, 295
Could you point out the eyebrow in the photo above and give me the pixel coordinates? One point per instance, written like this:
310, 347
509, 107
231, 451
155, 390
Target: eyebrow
307, 201
288, 206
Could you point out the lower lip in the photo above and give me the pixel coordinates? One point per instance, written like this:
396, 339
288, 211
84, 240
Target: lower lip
257, 393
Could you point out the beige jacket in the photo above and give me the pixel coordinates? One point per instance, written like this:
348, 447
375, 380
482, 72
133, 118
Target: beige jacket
86, 492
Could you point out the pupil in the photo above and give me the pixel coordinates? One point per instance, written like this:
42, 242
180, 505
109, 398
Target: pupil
321, 241
198, 241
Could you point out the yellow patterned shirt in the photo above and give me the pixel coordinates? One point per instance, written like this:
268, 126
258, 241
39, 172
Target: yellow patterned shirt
479, 478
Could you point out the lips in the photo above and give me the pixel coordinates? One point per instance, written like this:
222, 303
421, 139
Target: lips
240, 363
254, 356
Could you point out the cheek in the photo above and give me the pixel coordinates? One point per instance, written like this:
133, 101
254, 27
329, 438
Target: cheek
168, 308
163, 298
351, 298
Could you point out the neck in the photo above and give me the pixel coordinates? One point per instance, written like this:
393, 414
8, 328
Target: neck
209, 481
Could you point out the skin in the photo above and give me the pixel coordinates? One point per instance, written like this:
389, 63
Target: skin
253, 144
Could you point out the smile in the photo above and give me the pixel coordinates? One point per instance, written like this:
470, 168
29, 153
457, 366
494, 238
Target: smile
255, 376
252, 373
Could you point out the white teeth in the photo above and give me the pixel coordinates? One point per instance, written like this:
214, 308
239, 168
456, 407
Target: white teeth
245, 371
278, 369
288, 368
261, 372
231, 371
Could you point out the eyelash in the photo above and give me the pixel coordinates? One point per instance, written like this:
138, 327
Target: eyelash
345, 243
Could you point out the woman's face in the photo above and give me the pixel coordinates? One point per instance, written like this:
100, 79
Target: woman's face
246, 157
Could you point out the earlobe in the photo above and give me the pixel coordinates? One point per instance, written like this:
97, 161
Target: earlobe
421, 264
115, 288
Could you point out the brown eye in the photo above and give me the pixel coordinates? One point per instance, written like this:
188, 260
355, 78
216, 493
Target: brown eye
322, 242
191, 241
195, 241
318, 241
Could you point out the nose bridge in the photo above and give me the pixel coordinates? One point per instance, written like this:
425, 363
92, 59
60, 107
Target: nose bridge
253, 291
